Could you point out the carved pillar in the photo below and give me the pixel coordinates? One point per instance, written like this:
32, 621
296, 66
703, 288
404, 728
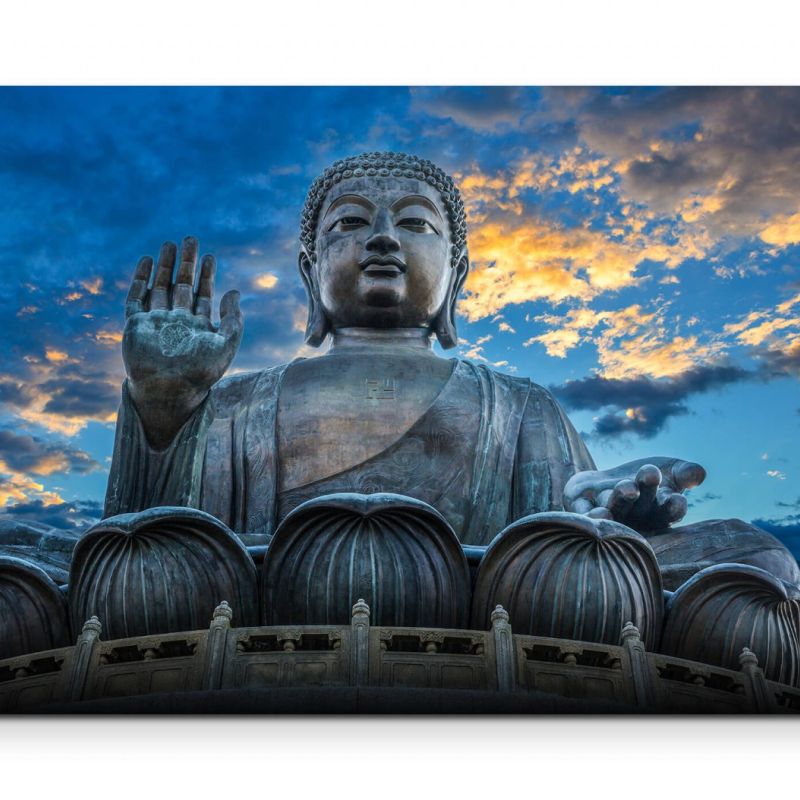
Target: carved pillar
359, 657
82, 658
216, 646
638, 667
503, 650
755, 682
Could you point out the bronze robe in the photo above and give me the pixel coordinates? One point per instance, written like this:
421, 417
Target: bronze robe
490, 449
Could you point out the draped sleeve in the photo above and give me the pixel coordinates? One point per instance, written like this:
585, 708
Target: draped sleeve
223, 460
142, 477
549, 452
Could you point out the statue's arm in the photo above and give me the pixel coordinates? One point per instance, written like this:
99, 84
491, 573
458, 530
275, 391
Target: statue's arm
549, 452
555, 471
173, 356
142, 476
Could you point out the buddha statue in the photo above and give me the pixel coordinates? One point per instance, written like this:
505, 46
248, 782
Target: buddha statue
480, 461
383, 257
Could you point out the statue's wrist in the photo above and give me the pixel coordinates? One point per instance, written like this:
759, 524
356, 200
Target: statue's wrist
163, 410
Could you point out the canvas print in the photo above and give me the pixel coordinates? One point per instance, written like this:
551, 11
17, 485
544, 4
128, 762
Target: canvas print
400, 400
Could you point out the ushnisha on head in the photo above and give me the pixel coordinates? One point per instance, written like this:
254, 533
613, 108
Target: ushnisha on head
383, 245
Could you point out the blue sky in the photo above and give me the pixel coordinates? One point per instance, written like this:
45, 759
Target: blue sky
636, 250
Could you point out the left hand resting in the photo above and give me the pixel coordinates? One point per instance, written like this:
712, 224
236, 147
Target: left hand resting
645, 495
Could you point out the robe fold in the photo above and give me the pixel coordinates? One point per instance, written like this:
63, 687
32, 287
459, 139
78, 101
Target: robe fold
490, 449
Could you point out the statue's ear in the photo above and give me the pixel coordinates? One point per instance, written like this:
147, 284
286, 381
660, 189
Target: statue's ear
318, 326
444, 325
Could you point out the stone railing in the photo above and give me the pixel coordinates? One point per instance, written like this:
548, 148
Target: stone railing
625, 676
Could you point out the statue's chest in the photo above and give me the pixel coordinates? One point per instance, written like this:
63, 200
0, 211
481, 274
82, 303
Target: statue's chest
336, 412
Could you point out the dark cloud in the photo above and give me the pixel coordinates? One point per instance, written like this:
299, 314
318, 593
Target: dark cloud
482, 108
703, 498
24, 453
82, 398
735, 142
652, 402
794, 506
645, 421
15, 393
787, 529
678, 172
65, 516
777, 363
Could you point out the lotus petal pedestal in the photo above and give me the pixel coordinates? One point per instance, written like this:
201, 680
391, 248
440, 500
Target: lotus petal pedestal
33, 611
160, 571
568, 576
725, 608
397, 553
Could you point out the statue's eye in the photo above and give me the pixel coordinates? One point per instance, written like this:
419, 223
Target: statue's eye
417, 224
348, 223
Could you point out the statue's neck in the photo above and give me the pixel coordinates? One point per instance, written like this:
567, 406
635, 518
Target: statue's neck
385, 339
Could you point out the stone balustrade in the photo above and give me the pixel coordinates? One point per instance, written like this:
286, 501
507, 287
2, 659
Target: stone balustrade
496, 663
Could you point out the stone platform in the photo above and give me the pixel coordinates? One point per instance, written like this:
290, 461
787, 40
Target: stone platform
362, 668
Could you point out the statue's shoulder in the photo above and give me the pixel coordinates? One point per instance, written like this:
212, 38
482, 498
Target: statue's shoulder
513, 383
232, 391
539, 398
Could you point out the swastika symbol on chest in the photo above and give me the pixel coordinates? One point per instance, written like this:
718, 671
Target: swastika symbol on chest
383, 389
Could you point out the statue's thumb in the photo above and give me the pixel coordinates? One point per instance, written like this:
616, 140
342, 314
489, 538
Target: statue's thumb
230, 315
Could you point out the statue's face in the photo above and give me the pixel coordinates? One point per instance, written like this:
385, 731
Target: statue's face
383, 253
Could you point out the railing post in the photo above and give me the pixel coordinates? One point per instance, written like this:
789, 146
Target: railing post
82, 658
216, 645
503, 650
755, 682
359, 658
640, 671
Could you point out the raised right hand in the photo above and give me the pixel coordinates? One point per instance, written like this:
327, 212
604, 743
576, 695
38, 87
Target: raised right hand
172, 351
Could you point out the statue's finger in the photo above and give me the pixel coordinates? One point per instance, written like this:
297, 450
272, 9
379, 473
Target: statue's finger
182, 293
622, 499
230, 317
138, 291
648, 479
600, 513
672, 510
159, 294
604, 496
205, 286
581, 505
687, 475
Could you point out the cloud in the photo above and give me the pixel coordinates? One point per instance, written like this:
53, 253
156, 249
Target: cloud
630, 341
643, 405
795, 505
78, 397
521, 255
63, 515
16, 486
717, 155
696, 500
787, 529
62, 397
481, 108
25, 453
521, 261
93, 286
108, 338
266, 280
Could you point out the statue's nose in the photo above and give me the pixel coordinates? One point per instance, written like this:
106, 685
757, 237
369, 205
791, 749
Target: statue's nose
383, 238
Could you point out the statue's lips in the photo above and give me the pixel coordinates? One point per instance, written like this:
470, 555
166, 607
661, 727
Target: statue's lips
382, 266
